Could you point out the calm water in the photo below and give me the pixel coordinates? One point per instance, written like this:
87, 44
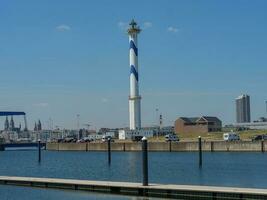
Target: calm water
27, 193
220, 169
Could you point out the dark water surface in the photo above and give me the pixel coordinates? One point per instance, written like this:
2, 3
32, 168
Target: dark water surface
219, 169
27, 193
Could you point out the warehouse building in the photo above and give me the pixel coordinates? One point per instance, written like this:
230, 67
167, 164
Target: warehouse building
202, 124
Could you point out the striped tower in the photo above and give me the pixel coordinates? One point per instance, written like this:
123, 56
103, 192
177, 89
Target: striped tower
134, 98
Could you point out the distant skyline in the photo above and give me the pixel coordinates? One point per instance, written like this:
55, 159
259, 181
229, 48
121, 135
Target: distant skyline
63, 58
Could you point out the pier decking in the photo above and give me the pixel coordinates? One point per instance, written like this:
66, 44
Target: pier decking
153, 190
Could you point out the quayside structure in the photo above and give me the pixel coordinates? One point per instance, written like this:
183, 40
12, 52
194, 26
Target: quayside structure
15, 113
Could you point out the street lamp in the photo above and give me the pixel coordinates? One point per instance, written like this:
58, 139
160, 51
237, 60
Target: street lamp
157, 110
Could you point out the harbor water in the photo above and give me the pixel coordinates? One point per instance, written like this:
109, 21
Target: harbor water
243, 169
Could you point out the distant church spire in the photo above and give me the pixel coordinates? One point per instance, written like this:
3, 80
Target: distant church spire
35, 127
6, 124
12, 124
39, 125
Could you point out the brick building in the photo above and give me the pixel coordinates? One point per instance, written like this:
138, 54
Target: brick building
202, 124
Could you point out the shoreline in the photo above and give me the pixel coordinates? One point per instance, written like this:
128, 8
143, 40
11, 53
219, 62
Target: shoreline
207, 146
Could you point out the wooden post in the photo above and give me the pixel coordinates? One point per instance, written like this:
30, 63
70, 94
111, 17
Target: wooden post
39, 150
145, 161
109, 151
200, 151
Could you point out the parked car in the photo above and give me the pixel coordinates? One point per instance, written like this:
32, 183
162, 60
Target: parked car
106, 137
83, 140
137, 138
259, 137
70, 139
171, 137
232, 136
60, 140
86, 139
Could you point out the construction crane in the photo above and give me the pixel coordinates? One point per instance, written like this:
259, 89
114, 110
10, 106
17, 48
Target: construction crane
87, 125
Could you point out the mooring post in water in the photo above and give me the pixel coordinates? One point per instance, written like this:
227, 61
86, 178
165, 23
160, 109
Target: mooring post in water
109, 152
39, 150
145, 161
200, 151
170, 146
262, 145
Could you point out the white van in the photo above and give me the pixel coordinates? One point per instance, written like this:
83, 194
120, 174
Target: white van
232, 136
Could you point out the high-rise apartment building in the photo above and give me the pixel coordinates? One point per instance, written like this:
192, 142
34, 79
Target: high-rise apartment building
242, 109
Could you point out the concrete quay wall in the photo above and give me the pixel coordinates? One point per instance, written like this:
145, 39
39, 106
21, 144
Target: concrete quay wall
209, 146
72, 146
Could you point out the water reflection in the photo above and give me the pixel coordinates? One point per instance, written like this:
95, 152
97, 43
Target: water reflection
219, 169
26, 193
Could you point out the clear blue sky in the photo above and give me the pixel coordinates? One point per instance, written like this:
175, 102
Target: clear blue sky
63, 58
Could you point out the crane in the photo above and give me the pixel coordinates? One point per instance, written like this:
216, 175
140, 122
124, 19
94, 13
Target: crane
87, 125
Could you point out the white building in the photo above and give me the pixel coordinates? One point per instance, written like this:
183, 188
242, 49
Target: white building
125, 134
252, 125
94, 137
111, 134
10, 136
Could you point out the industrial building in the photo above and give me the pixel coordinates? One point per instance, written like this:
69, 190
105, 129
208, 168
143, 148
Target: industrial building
202, 124
125, 134
113, 132
252, 125
146, 131
243, 109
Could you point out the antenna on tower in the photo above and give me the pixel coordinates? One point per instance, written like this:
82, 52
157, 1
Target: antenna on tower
133, 27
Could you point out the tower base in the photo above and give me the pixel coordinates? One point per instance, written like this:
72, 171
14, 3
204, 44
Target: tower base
135, 112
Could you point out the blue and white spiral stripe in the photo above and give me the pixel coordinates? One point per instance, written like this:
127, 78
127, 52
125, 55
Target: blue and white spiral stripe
132, 67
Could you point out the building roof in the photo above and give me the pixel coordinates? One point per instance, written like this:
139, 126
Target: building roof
195, 119
210, 118
189, 119
242, 96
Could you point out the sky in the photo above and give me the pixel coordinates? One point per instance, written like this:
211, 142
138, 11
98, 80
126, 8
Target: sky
60, 59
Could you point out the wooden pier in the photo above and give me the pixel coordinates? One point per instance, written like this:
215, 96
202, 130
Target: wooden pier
136, 189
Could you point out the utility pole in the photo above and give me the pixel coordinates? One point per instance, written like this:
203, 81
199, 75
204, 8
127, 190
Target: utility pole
78, 126
157, 110
50, 124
